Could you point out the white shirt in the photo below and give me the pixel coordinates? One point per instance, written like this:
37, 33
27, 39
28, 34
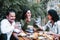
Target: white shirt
55, 28
7, 28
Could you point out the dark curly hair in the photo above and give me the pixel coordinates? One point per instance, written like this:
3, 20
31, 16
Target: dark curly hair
24, 12
54, 15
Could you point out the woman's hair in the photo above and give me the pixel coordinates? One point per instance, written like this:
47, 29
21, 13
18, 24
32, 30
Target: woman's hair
24, 12
54, 15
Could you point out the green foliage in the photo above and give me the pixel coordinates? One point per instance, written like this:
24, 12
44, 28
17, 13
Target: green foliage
37, 9
11, 4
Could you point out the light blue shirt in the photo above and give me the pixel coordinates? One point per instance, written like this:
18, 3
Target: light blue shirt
55, 28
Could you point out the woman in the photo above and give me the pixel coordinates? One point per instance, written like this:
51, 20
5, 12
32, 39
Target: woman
26, 20
53, 25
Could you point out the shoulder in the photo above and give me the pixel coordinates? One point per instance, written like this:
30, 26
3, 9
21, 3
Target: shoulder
4, 21
49, 22
58, 22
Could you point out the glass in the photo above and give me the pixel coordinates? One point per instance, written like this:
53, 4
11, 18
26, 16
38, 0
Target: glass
17, 27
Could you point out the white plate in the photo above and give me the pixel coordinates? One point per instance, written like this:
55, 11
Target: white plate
41, 37
22, 34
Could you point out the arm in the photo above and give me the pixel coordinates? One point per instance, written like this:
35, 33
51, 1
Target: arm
45, 27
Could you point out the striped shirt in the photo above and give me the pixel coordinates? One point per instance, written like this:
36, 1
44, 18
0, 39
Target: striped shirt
55, 28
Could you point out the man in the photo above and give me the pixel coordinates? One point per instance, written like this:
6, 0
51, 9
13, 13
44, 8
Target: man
7, 25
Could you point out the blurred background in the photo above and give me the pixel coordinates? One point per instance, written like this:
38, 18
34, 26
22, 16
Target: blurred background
38, 8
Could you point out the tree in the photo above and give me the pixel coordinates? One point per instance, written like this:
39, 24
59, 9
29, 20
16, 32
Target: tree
36, 8
11, 4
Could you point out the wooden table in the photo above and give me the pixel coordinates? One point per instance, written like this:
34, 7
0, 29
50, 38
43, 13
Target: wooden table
35, 37
24, 38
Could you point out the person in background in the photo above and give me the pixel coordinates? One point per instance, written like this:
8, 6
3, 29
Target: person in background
7, 25
53, 25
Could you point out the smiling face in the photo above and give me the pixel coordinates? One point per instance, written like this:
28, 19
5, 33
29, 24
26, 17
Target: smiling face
11, 16
28, 14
